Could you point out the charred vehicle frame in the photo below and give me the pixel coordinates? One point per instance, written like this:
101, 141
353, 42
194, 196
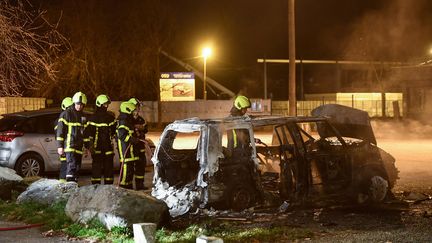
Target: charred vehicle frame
332, 153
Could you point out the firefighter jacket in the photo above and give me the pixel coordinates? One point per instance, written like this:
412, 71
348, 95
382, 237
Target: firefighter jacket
126, 138
99, 131
69, 130
140, 127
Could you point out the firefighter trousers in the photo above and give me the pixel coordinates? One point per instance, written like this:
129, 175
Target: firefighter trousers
63, 167
73, 165
102, 166
133, 169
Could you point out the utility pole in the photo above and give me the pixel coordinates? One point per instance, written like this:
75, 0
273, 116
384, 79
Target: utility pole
265, 79
205, 81
292, 59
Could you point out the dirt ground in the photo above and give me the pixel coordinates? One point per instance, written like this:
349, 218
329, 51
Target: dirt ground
401, 220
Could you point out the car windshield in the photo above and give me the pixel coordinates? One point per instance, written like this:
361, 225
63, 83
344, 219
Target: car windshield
11, 123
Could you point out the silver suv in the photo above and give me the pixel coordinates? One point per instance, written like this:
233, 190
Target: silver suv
27, 143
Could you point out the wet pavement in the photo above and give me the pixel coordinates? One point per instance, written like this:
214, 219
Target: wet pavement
29, 235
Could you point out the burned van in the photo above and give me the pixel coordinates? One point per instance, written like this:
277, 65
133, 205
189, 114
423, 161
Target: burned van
226, 163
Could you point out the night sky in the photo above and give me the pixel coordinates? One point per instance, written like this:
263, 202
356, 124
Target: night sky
247, 29
242, 31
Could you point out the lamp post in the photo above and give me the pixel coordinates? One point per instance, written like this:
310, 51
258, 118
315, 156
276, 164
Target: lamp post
206, 52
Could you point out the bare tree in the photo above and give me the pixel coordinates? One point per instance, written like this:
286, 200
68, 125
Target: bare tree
114, 48
28, 48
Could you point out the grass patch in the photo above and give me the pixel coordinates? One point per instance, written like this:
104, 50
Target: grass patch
55, 218
230, 233
96, 230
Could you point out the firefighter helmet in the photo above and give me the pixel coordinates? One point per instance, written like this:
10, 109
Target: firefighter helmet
79, 97
102, 99
242, 102
66, 102
134, 101
127, 107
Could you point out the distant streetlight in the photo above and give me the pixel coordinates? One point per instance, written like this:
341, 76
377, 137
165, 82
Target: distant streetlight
206, 52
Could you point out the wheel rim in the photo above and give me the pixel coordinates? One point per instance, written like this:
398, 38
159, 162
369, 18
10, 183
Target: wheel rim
30, 167
378, 188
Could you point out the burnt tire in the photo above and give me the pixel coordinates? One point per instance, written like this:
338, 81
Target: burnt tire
29, 165
390, 167
373, 188
241, 195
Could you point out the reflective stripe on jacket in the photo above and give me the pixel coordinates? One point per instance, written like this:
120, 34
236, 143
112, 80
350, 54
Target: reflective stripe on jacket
69, 130
99, 131
126, 138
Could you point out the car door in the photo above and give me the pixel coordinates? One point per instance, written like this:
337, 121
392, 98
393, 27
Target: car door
327, 156
45, 129
294, 175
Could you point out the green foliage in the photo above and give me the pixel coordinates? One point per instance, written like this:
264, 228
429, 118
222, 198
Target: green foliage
53, 216
231, 234
96, 230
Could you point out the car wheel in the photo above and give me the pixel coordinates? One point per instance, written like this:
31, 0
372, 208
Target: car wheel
374, 188
29, 165
390, 167
241, 196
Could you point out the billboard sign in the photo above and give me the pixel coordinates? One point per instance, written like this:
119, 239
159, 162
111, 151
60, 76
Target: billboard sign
177, 86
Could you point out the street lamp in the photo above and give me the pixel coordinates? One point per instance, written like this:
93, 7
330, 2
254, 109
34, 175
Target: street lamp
206, 52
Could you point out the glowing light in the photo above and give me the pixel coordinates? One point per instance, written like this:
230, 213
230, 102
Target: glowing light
206, 52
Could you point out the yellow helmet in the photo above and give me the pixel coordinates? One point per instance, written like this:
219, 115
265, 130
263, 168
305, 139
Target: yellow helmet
242, 102
66, 102
134, 101
127, 107
102, 99
79, 97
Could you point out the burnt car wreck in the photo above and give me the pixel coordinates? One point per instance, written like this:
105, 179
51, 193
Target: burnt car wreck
332, 153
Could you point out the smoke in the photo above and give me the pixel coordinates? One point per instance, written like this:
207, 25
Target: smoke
406, 129
394, 31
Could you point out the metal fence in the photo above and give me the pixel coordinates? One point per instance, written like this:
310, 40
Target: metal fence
372, 107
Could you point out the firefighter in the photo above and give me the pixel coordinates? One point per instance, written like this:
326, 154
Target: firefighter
240, 106
140, 129
239, 139
66, 103
127, 144
98, 134
69, 135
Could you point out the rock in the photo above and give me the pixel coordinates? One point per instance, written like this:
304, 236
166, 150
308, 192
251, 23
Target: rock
415, 196
47, 191
9, 181
114, 206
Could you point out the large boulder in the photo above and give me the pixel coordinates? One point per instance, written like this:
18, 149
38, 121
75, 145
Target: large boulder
9, 181
115, 206
48, 191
